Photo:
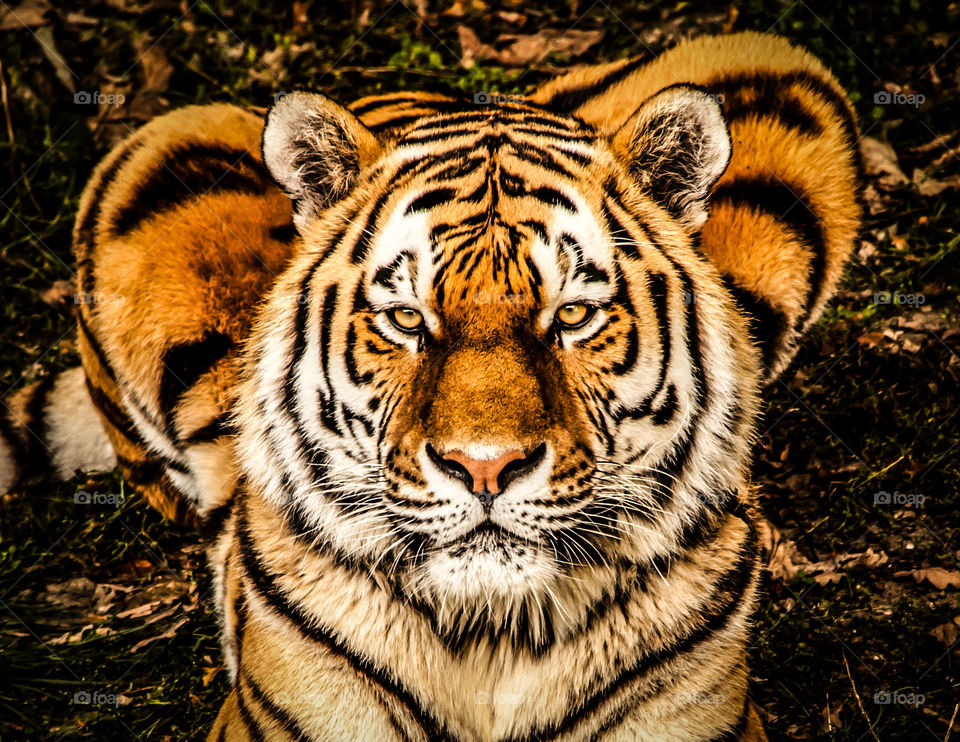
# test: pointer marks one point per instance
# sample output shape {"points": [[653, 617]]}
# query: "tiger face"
{"points": [[499, 369]]}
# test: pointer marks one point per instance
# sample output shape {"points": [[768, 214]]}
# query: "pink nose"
{"points": [[484, 472]]}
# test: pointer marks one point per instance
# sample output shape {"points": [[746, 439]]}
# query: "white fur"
{"points": [[75, 435]]}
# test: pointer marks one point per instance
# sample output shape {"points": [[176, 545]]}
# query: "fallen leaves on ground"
{"points": [[784, 559], [939, 577], [520, 50]]}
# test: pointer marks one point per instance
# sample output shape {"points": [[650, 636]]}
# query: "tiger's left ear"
{"points": [[315, 148], [677, 146]]}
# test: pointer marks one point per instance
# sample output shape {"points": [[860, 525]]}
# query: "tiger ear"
{"points": [[314, 148], [677, 145]]}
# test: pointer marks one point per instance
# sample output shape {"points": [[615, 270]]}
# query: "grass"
{"points": [[858, 412]]}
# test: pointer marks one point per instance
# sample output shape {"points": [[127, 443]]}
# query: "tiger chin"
{"points": [[467, 402]]}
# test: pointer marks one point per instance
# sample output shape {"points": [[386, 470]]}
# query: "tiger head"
{"points": [[499, 368]]}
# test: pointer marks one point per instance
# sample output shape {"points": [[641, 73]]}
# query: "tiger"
{"points": [[462, 397]]}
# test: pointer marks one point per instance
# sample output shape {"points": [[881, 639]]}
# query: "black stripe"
{"points": [[139, 473], [731, 586], [216, 428], [590, 272], [395, 99], [268, 589], [36, 455], [626, 363], [350, 359], [540, 158], [189, 171], [95, 346], [398, 122], [362, 245], [622, 238], [213, 522], [767, 325], [185, 363], [569, 100], [116, 416], [429, 200], [83, 243], [790, 207], [283, 232], [735, 733], [279, 715], [776, 83], [253, 726], [553, 197]]}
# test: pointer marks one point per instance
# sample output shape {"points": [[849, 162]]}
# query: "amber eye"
{"points": [[406, 319], [570, 316]]}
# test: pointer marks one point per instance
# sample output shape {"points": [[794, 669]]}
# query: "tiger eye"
{"points": [[573, 315], [408, 320]]}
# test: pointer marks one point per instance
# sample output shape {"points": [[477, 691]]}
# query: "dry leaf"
{"points": [[168, 634], [784, 560], [141, 610], [28, 14], [513, 50], [70, 637], [209, 673], [947, 633], [781, 551], [880, 160], [870, 339], [61, 292], [927, 186], [75, 593], [937, 576], [154, 76]]}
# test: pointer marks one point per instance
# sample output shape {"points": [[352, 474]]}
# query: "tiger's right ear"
{"points": [[315, 148]]}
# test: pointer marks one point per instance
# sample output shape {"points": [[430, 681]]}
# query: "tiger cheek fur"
{"points": [[470, 426]]}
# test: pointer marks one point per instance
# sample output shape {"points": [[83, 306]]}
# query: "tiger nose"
{"points": [[486, 476]]}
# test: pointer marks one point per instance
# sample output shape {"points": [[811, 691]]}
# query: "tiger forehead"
{"points": [[527, 119]]}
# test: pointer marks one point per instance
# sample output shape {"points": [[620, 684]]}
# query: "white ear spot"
{"points": [[315, 148], [678, 145]]}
